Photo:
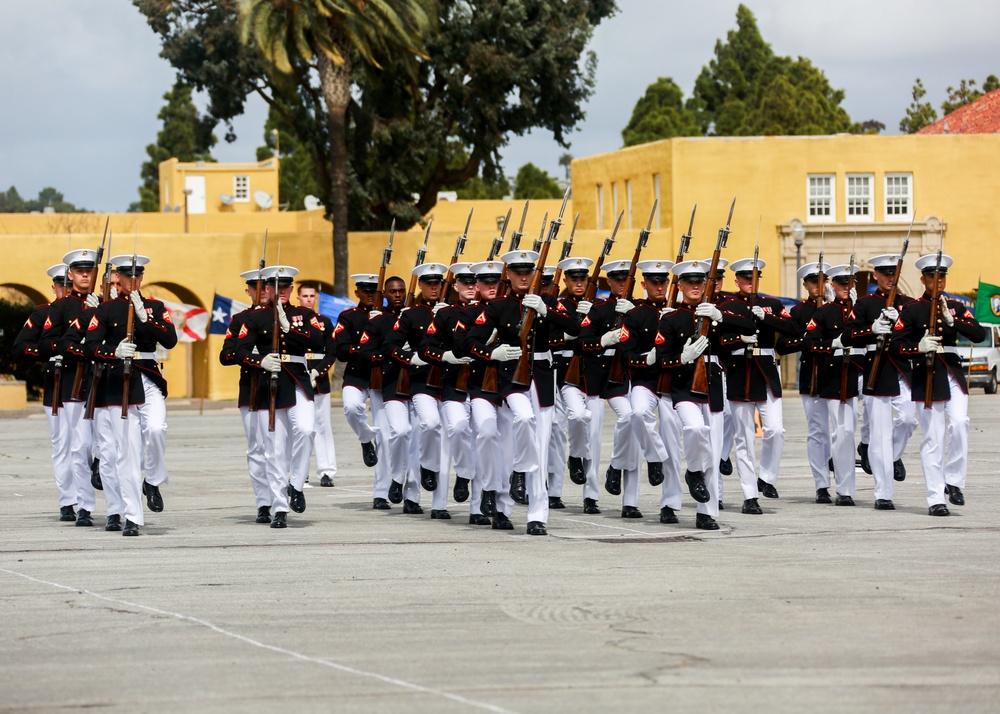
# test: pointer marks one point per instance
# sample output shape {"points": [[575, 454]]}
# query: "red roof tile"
{"points": [[979, 117]]}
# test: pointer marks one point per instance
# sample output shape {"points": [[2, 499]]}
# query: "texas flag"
{"points": [[223, 309], [190, 321]]}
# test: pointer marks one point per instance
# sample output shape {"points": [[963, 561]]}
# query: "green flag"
{"points": [[988, 303]]}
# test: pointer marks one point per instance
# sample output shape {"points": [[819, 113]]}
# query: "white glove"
{"points": [[140, 308], [113, 293], [92, 301], [946, 315], [929, 343], [651, 357], [584, 307], [536, 303], [493, 336], [837, 343], [416, 361], [748, 339], [622, 306], [828, 294], [372, 314], [611, 338], [758, 312], [506, 353], [271, 363], [313, 377], [853, 294], [282, 318], [891, 314], [693, 350], [881, 326], [707, 309], [125, 350], [450, 358], [664, 311], [437, 307]]}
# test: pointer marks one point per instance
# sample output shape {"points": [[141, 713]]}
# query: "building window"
{"points": [[628, 201], [656, 197], [600, 207], [614, 200], [898, 197], [241, 188], [822, 198], [860, 192]]}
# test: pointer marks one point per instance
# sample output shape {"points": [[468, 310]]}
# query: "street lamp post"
{"points": [[187, 192], [798, 233]]}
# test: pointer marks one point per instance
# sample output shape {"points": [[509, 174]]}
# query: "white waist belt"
{"points": [[315, 355], [763, 352], [543, 356], [53, 359], [566, 353], [298, 359], [610, 352], [950, 350], [854, 351], [144, 355], [713, 359]]}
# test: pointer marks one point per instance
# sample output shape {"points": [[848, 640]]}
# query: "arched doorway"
{"points": [[186, 368], [18, 293]]}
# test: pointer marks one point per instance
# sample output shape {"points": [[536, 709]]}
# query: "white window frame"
{"points": [[628, 201], [237, 198], [614, 200], [600, 207], [656, 197], [810, 197], [870, 198], [887, 198]]}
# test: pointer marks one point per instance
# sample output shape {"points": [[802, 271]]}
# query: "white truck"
{"points": [[981, 361]]}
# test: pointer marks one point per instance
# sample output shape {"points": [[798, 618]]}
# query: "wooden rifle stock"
{"points": [[890, 301], [127, 368], [814, 377], [846, 367], [272, 401], [522, 373], [663, 382], [77, 391], [95, 378], [490, 379], [375, 378], [616, 374], [749, 349], [932, 323], [573, 369], [699, 383], [403, 380]]}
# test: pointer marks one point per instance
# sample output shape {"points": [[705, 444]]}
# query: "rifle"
{"points": [[616, 375], [748, 352], [699, 383], [932, 323], [814, 378], [272, 399], [847, 349], [403, 381], [573, 369], [255, 374], [129, 329], [515, 242], [889, 302], [95, 378], [663, 382], [77, 391], [522, 372], [449, 279], [375, 380], [567, 247]]}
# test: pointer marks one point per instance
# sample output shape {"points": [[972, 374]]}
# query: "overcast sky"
{"points": [[83, 81]]}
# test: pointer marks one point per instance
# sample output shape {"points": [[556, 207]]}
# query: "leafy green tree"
{"points": [[185, 135], [967, 93], [919, 114], [533, 182], [660, 114], [48, 198], [566, 161], [297, 167]]}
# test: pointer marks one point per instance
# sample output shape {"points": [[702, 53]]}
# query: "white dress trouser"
{"points": [[456, 447], [817, 439], [891, 423], [79, 432], [256, 464], [354, 411], [383, 468], [745, 429], [595, 433], [106, 447], [326, 452], [150, 419], [945, 465], [288, 448], [864, 419], [578, 415], [62, 464], [557, 446], [671, 491], [701, 431], [529, 432], [427, 410], [843, 420], [397, 440]]}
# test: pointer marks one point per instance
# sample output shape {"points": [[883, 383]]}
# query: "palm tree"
{"points": [[328, 32]]}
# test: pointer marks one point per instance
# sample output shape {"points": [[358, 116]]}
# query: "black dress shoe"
{"points": [[130, 529], [556, 503], [590, 506], [536, 528], [955, 495], [114, 523], [296, 499], [696, 485], [478, 519], [488, 503], [66, 513], [380, 504], [440, 514], [706, 522], [631, 512], [884, 504], [667, 515], [325, 481], [654, 472], [83, 518], [501, 522], [95, 474], [395, 492], [428, 479], [613, 481], [726, 467], [751, 507], [866, 465], [461, 489], [153, 498], [829, 465], [263, 514], [844, 500], [823, 495], [722, 506], [898, 470], [767, 490], [518, 487], [938, 509], [369, 453], [279, 520], [412, 507], [577, 474]]}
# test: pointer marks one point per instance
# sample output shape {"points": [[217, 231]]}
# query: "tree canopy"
{"points": [[533, 182], [11, 202], [920, 113]]}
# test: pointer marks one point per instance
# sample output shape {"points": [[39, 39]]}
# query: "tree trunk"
{"points": [[335, 84]]}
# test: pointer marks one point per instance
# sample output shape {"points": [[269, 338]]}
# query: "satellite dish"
{"points": [[167, 209], [312, 203], [262, 199], [226, 199]]}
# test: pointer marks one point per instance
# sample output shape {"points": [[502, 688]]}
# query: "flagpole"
{"points": [[972, 345]]}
